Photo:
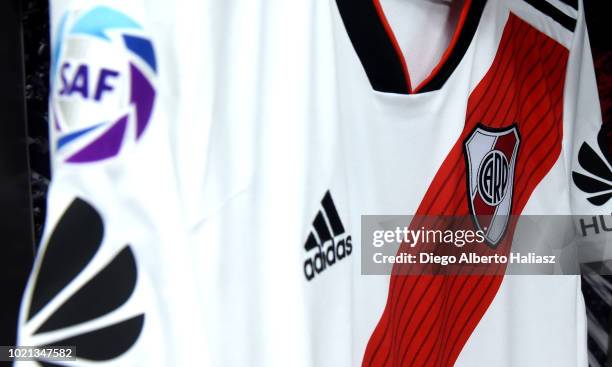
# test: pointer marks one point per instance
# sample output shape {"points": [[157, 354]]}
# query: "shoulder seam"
{"points": [[572, 3], [554, 13]]}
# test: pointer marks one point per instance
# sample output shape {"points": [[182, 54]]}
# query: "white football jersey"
{"points": [[212, 162]]}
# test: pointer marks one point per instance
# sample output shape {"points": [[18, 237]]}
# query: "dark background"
{"points": [[597, 289], [16, 262], [15, 199]]}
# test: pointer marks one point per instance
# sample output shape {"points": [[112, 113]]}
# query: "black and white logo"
{"points": [[493, 177], [597, 180], [328, 243], [490, 159], [56, 316]]}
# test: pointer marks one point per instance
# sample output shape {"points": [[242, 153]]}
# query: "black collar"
{"points": [[381, 56]]}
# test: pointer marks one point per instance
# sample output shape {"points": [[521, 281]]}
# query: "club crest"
{"points": [[490, 156]]}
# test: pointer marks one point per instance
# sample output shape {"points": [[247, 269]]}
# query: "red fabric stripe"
{"points": [[528, 117], [428, 319]]}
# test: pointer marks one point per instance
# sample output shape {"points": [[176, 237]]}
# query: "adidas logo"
{"points": [[599, 183], [328, 243], [53, 317]]}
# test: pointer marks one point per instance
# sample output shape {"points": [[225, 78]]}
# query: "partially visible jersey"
{"points": [[226, 195]]}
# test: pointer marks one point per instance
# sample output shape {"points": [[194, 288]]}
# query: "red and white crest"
{"points": [[490, 156]]}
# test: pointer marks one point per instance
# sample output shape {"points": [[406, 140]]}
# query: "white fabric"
{"points": [[263, 106]]}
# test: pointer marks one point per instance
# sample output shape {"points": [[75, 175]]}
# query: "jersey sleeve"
{"points": [[589, 157], [113, 274]]}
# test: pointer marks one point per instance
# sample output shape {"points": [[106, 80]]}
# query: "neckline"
{"points": [[380, 54]]}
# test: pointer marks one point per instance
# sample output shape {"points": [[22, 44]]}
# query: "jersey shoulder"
{"points": [[557, 19]]}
